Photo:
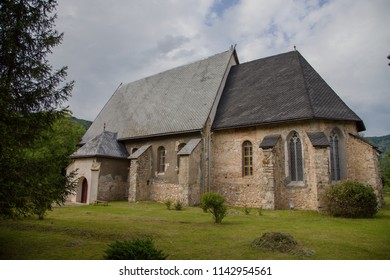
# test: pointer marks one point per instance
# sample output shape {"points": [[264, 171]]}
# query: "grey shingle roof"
{"points": [[189, 147], [177, 100], [318, 139], [269, 141], [139, 152], [104, 145], [278, 89]]}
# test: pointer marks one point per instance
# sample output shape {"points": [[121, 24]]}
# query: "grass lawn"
{"points": [[83, 232]]}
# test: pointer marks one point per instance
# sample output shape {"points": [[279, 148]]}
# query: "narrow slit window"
{"points": [[334, 157]]}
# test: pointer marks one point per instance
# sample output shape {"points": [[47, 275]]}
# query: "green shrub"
{"points": [[178, 206], [247, 210], [351, 200], [215, 204], [168, 204], [135, 249]]}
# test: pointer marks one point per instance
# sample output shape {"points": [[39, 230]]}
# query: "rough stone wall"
{"points": [[140, 172], [322, 174], [179, 182], [113, 183], [281, 201], [368, 169], [256, 190], [187, 190], [227, 168]]}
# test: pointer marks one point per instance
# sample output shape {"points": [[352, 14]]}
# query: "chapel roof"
{"points": [[103, 145], [278, 89], [175, 101]]}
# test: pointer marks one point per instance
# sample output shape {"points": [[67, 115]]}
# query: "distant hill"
{"points": [[381, 142], [86, 124]]}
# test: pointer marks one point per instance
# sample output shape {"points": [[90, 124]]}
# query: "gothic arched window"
{"points": [[334, 157], [296, 159]]}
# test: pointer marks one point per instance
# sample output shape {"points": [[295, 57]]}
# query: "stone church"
{"points": [[268, 133]]}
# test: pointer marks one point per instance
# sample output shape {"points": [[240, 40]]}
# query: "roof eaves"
{"points": [[260, 124], [96, 155], [159, 135]]}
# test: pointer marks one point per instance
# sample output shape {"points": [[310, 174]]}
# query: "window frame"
{"points": [[295, 158], [161, 156], [247, 158], [334, 158]]}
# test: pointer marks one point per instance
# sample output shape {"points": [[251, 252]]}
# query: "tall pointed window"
{"points": [[296, 161], [247, 159], [334, 157], [161, 159]]}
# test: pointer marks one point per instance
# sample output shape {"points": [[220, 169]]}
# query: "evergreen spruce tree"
{"points": [[31, 96]]}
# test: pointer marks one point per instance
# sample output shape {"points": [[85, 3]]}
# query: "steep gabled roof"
{"points": [[103, 145], [278, 89], [175, 101]]}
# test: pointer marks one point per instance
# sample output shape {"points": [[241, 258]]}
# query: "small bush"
{"points": [[215, 204], [135, 249], [351, 200], [178, 206], [247, 210], [168, 204]]}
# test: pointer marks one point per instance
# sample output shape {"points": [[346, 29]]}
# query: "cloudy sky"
{"points": [[110, 42]]}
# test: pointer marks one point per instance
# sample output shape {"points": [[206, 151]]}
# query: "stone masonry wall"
{"points": [[368, 169], [180, 182], [113, 183], [255, 190], [140, 172], [187, 190]]}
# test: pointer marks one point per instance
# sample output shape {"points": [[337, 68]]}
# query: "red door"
{"points": [[84, 191]]}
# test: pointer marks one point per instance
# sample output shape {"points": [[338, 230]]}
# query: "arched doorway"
{"points": [[84, 191]]}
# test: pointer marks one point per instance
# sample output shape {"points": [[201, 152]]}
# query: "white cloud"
{"points": [[108, 42]]}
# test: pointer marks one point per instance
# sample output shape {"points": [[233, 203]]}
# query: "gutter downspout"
{"points": [[202, 169]]}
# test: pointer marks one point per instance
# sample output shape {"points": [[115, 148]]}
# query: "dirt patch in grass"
{"points": [[281, 242]]}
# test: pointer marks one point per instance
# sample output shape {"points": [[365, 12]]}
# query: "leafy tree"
{"points": [[215, 204], [46, 161], [31, 94], [385, 169]]}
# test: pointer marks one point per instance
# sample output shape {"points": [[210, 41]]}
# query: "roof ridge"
{"points": [[298, 55]]}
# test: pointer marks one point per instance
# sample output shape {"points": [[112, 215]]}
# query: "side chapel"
{"points": [[267, 133]]}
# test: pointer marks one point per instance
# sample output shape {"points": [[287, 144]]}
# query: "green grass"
{"points": [[83, 232]]}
